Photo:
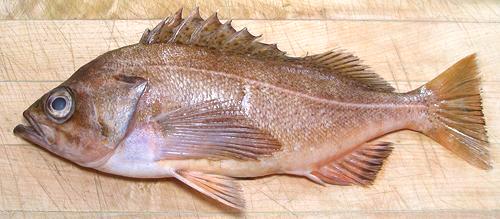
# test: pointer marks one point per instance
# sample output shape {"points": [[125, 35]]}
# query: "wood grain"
{"points": [[421, 178], [53, 50], [423, 10]]}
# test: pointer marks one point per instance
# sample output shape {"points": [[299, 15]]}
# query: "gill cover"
{"points": [[104, 107], [116, 106]]}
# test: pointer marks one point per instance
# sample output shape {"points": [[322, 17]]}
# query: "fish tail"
{"points": [[455, 118]]}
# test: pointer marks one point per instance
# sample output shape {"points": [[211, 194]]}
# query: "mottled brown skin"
{"points": [[99, 122], [201, 102], [314, 114], [317, 116]]}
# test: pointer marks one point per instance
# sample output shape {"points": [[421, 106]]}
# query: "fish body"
{"points": [[310, 112], [200, 102]]}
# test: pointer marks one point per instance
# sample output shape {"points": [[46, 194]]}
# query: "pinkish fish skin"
{"points": [[200, 102]]}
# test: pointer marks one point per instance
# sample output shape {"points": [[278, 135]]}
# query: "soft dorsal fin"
{"points": [[194, 30], [348, 65], [359, 167]]}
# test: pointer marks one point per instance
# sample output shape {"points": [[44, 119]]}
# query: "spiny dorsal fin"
{"points": [[182, 33], [163, 30], [193, 30], [360, 167], [201, 36]]}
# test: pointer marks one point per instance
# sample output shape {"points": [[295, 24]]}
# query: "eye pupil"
{"points": [[59, 103]]}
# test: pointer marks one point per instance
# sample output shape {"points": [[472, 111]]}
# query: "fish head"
{"points": [[85, 118]]}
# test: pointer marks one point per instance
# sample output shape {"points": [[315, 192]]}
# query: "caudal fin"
{"points": [[455, 114]]}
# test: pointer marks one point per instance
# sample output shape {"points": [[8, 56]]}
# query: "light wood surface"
{"points": [[407, 48], [422, 10]]}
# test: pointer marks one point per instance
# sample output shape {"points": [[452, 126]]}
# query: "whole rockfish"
{"points": [[201, 102]]}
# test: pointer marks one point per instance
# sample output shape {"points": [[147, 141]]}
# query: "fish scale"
{"points": [[201, 102]]}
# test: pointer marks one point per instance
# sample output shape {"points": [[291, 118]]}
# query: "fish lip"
{"points": [[32, 132]]}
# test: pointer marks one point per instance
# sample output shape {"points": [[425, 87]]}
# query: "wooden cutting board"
{"points": [[407, 43]]}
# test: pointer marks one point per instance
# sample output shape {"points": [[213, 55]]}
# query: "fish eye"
{"points": [[60, 105]]}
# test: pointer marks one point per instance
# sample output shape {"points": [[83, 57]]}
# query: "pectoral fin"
{"points": [[221, 188], [359, 167], [212, 130]]}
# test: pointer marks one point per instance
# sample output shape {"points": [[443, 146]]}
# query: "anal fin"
{"points": [[359, 167], [221, 188]]}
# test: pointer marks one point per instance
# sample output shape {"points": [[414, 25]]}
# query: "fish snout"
{"points": [[33, 131]]}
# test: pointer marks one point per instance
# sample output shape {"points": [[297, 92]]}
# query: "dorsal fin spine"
{"points": [[198, 31], [179, 31], [233, 43], [224, 38], [167, 26], [156, 31], [144, 37], [206, 29]]}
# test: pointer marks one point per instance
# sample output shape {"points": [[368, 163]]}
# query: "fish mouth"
{"points": [[31, 132]]}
